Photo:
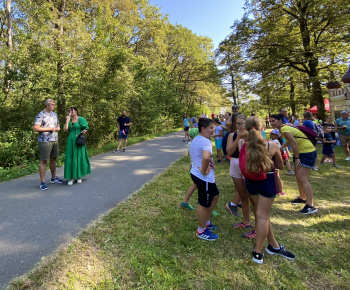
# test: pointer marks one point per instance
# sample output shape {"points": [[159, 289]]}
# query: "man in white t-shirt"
{"points": [[202, 174]]}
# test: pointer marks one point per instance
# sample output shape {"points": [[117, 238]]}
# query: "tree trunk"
{"points": [[233, 89], [60, 67], [312, 59], [9, 45], [292, 96]]}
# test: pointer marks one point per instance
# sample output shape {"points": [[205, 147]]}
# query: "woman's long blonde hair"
{"points": [[258, 157]]}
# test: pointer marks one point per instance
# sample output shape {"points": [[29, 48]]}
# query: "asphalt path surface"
{"points": [[35, 223]]}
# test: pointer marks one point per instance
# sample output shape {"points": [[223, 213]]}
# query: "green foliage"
{"points": [[290, 48], [101, 57]]}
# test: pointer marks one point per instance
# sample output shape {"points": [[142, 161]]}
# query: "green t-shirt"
{"points": [[304, 144], [343, 122]]}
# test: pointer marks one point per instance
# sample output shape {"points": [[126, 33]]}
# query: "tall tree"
{"points": [[300, 34]]}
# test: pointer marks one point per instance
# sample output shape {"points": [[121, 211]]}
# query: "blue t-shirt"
{"points": [[186, 122], [285, 121], [309, 124]]}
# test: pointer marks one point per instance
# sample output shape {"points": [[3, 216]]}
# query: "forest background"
{"points": [[107, 56]]}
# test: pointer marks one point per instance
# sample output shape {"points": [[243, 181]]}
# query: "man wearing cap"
{"points": [[342, 125]]}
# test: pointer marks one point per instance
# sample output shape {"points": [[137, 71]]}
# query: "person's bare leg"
{"points": [[125, 142], [119, 142], [53, 167], [262, 223], [346, 150], [236, 199], [305, 188], [279, 181], [42, 169], [202, 215], [220, 155], [333, 158], [244, 196], [189, 192]]}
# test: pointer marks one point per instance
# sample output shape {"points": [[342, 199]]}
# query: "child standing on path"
{"points": [[202, 174], [328, 145], [186, 124]]}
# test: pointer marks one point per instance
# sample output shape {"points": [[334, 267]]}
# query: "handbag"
{"points": [[81, 139]]}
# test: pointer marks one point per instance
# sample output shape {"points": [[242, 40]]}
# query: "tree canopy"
{"points": [[101, 57]]}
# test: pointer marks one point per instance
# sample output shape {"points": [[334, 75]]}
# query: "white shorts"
{"points": [[234, 168]]}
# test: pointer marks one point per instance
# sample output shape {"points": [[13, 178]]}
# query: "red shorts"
{"points": [[284, 155]]}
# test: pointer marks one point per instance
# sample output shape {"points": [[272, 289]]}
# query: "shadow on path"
{"points": [[34, 223]]}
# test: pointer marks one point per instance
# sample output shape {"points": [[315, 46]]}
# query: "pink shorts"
{"points": [[234, 168]]}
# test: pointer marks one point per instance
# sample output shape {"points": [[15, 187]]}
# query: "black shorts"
{"points": [[187, 128], [266, 188], [206, 191]]}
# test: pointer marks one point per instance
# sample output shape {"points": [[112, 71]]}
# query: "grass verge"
{"points": [[31, 166], [148, 241]]}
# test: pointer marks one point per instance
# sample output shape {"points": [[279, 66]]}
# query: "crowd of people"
{"points": [[254, 167]]}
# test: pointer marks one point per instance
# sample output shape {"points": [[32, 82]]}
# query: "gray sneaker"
{"points": [[233, 209], [336, 166], [315, 168]]}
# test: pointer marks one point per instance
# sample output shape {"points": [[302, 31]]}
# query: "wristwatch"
{"points": [[296, 157]]}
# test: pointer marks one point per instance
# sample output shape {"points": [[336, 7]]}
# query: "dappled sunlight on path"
{"points": [[34, 223]]}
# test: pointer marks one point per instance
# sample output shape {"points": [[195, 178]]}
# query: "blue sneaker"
{"points": [[43, 186], [211, 227], [56, 180], [207, 235]]}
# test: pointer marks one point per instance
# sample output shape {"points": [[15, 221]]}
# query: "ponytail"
{"points": [[258, 157]]}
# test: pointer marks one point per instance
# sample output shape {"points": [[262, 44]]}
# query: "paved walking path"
{"points": [[34, 223]]}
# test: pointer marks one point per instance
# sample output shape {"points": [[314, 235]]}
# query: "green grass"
{"points": [[149, 242], [31, 166]]}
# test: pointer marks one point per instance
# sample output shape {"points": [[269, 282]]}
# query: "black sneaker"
{"points": [[239, 205], [258, 257], [233, 209], [308, 209], [281, 252], [298, 201]]}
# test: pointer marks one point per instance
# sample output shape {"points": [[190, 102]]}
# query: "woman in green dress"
{"points": [[76, 163]]}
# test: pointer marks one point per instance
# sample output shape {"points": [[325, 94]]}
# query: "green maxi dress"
{"points": [[76, 163]]}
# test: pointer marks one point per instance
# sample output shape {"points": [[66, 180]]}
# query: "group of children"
{"points": [[245, 136]]}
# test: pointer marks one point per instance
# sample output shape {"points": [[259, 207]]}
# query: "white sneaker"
{"points": [[79, 180], [70, 182], [315, 168], [347, 158]]}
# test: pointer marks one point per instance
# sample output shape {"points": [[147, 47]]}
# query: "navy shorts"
{"points": [[327, 150], [122, 136], [307, 159], [206, 191], [266, 188]]}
